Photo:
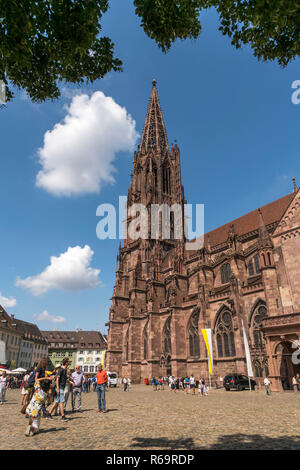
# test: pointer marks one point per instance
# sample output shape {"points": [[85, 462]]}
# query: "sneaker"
{"points": [[104, 411], [63, 418], [49, 417]]}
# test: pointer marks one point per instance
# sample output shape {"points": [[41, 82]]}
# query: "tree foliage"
{"points": [[168, 20], [45, 42], [270, 27]]}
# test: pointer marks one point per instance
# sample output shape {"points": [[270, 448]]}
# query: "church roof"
{"points": [[250, 222], [154, 134]]}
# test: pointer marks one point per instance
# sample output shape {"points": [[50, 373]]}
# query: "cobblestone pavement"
{"points": [[147, 419]]}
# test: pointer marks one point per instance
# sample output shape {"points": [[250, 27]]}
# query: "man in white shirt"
{"points": [[193, 384], [125, 384], [172, 384], [267, 385]]}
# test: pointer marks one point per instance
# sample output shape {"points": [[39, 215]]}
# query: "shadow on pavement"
{"points": [[164, 442], [43, 431], [255, 441], [228, 442]]}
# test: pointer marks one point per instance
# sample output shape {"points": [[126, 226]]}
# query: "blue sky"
{"points": [[234, 122]]}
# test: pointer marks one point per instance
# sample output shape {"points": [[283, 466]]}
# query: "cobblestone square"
{"points": [[147, 419]]}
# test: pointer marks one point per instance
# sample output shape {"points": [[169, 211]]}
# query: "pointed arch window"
{"points": [[194, 344], [127, 346], [154, 171], [225, 273], [166, 179], [259, 314], [225, 335], [167, 337], [253, 266], [145, 342], [256, 264]]}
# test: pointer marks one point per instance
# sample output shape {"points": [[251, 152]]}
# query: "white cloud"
{"points": [[7, 302], [45, 316], [70, 271], [78, 153]]}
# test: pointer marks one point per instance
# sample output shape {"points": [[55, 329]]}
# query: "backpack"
{"points": [[31, 379]]}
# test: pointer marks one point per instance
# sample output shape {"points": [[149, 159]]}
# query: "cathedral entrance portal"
{"points": [[286, 366]]}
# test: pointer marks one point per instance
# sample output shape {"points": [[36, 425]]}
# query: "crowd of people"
{"points": [[187, 384], [46, 394]]}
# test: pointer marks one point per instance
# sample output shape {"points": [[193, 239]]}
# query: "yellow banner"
{"points": [[207, 339], [103, 358]]}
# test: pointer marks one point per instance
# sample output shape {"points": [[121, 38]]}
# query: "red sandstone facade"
{"points": [[247, 270]]}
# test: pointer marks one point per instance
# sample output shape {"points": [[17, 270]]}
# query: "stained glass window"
{"points": [[225, 335]]}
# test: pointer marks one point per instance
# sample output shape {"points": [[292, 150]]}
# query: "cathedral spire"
{"points": [[154, 134], [264, 239]]}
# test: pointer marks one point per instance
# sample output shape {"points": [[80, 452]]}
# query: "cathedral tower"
{"points": [[156, 195]]}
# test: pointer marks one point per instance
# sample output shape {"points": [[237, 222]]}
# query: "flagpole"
{"points": [[248, 356], [206, 332]]}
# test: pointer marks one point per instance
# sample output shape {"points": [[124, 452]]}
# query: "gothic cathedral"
{"points": [[164, 295]]}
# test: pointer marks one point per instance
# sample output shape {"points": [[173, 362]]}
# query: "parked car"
{"points": [[238, 382], [113, 376]]}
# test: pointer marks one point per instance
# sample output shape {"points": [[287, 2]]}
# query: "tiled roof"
{"points": [[5, 319], [90, 339], [57, 336], [250, 222], [30, 330]]}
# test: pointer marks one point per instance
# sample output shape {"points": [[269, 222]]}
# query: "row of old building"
{"points": [[25, 344]]}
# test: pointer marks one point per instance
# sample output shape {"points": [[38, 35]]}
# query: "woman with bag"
{"points": [[25, 388], [3, 387]]}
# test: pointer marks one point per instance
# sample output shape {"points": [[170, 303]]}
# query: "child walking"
{"points": [[33, 410]]}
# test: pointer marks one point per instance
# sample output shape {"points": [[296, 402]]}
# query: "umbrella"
{"points": [[20, 370]]}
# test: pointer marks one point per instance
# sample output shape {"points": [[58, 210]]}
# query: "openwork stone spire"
{"points": [[154, 134]]}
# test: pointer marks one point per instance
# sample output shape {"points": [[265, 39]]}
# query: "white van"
{"points": [[113, 378]]}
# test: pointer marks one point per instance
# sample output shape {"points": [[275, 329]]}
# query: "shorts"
{"points": [[172, 386], [61, 397], [193, 385]]}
